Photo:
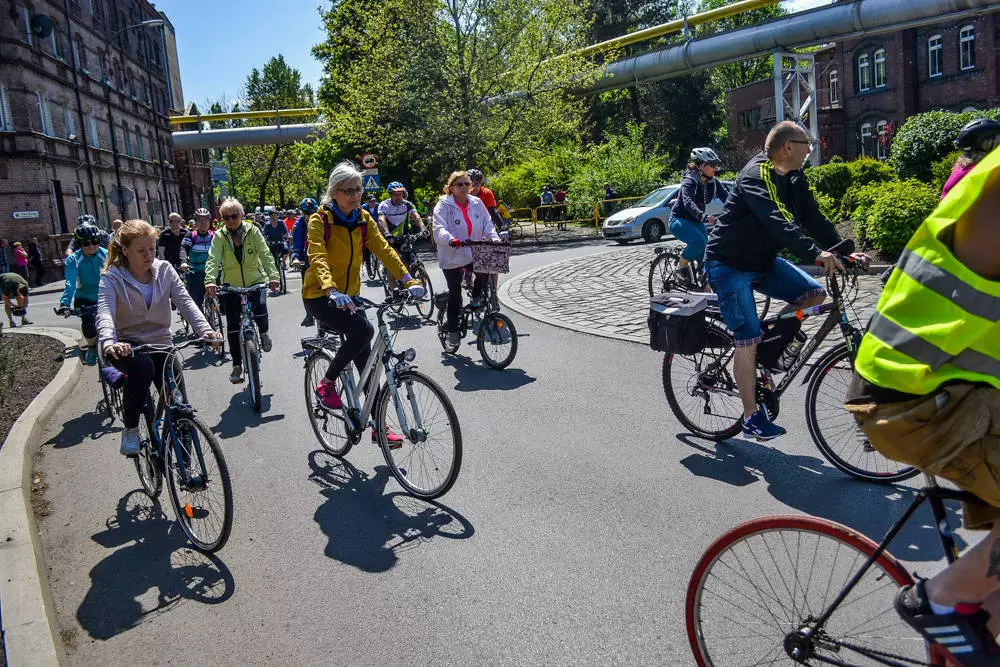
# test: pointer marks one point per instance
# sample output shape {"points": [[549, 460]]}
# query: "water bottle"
{"points": [[792, 351]]}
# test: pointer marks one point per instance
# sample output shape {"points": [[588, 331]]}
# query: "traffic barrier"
{"points": [[568, 212]]}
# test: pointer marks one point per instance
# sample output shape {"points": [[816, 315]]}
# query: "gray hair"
{"points": [[342, 173]]}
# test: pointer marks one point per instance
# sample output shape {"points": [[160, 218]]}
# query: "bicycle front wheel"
{"points": [[770, 578], [282, 280], [200, 489], [147, 464], [497, 340], [253, 373], [662, 273], [834, 430], [427, 462], [214, 317], [329, 426], [425, 308]]}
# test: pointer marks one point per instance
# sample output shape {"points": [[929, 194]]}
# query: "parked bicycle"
{"points": [[112, 395], [408, 253], [809, 590], [702, 391], [663, 277], [174, 444], [496, 335], [250, 351], [409, 403]]}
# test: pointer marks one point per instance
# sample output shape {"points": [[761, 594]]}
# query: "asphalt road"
{"points": [[568, 538]]}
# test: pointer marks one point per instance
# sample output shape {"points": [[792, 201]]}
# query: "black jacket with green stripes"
{"points": [[765, 213]]}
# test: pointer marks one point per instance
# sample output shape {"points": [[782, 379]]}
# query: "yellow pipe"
{"points": [[671, 26], [243, 115]]}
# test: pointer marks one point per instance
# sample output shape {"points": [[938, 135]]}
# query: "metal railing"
{"points": [[568, 212]]}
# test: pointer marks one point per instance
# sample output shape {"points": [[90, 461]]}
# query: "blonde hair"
{"points": [[451, 179], [230, 204], [124, 238], [781, 134], [342, 173]]}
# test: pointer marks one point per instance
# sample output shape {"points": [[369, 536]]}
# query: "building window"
{"points": [[6, 120], [881, 140], [967, 47], [864, 73], [28, 35], [880, 68], [80, 205], [934, 56], [139, 149], [866, 140], [128, 139], [68, 124], [54, 43], [834, 87], [750, 120], [44, 114], [95, 139]]}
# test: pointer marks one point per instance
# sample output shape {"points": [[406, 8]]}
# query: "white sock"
{"points": [[940, 609]]}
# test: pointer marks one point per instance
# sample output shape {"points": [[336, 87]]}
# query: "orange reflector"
{"points": [[800, 315], [189, 511], [499, 324]]}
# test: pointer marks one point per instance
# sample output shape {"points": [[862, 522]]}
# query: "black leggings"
{"points": [[140, 371], [230, 304], [454, 279], [88, 319], [357, 330]]}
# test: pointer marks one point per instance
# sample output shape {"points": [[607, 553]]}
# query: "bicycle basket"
{"points": [[491, 258], [677, 322]]}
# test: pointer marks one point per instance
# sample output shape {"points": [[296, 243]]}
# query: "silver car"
{"points": [[647, 218]]}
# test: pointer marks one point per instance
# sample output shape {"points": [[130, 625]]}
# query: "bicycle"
{"points": [[496, 335], [408, 254], [112, 395], [172, 445], [773, 580], [663, 277], [704, 382], [278, 252], [423, 465], [250, 351]]}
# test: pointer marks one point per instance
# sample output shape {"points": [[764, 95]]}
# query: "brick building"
{"points": [[194, 173], [83, 110], [868, 86]]}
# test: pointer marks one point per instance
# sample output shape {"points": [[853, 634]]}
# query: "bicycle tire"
{"points": [[147, 465], [253, 373], [701, 378], [208, 534], [214, 317], [414, 458], [337, 442], [106, 391], [661, 271], [834, 430], [425, 308], [497, 328], [443, 335], [282, 280], [752, 552]]}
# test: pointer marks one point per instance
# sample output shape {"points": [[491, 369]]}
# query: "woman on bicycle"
{"points": [[83, 277], [459, 216], [133, 308], [336, 236], [240, 253], [688, 217]]}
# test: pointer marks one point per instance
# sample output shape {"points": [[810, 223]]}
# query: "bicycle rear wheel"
{"points": [[701, 389], [147, 463], [771, 577], [428, 461], [214, 317], [330, 426], [253, 373], [497, 340], [443, 335], [834, 430], [282, 280], [425, 308], [203, 505]]}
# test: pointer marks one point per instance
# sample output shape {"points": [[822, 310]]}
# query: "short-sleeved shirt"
{"points": [[546, 197], [487, 196], [11, 283], [395, 215]]}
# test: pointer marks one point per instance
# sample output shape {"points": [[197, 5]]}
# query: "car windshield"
{"points": [[654, 198]]}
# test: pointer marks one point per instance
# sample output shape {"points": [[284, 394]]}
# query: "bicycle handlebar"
{"points": [[150, 347], [229, 289], [75, 312]]}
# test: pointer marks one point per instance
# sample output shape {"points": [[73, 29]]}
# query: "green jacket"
{"points": [[257, 265]]}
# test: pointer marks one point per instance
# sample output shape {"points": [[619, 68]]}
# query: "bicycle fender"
{"points": [[836, 349]]}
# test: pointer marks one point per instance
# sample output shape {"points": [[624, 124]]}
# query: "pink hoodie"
{"points": [[957, 174]]}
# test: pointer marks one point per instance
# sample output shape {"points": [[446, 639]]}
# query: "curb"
{"points": [[26, 606]]}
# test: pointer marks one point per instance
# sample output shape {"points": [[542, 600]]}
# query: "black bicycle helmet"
{"points": [[87, 232], [979, 135], [475, 175], [308, 206]]}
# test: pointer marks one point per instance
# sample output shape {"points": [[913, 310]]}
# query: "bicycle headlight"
{"points": [[409, 355]]}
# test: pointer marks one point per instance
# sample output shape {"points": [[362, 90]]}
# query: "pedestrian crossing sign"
{"points": [[372, 183]]}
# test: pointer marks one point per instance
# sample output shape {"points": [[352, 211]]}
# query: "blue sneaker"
{"points": [[90, 356], [758, 426]]}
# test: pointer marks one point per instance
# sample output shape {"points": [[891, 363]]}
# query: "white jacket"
{"points": [[449, 223]]}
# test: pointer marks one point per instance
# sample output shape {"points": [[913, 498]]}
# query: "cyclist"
{"points": [[337, 233], [975, 140], [759, 219], [239, 256], [133, 308], [546, 198], [276, 235], [196, 246], [927, 392], [14, 290], [87, 219], [688, 218], [171, 239], [459, 216], [484, 193], [300, 233], [396, 213], [83, 277]]}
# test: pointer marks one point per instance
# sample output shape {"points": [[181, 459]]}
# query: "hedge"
{"points": [[927, 138], [887, 214], [832, 179]]}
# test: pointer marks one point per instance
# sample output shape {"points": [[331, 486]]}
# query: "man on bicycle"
{"points": [[300, 241], [927, 393], [276, 235], [170, 240], [396, 217], [761, 216]]}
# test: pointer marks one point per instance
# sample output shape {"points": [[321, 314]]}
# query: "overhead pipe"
{"points": [[839, 21], [244, 115], [244, 136]]}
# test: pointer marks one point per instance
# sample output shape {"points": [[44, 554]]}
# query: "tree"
{"points": [[742, 72]]}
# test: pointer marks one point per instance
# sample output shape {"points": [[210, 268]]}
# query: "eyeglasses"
{"points": [[810, 142], [462, 184], [87, 244], [235, 216], [352, 192]]}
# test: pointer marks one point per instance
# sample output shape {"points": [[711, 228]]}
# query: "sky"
{"points": [[220, 41]]}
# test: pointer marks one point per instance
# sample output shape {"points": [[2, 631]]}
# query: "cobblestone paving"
{"points": [[606, 294]]}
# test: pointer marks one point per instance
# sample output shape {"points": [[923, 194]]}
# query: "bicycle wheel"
{"points": [[497, 340], [701, 389], [834, 430], [329, 426], [425, 308], [443, 335], [109, 409], [282, 280], [661, 273], [253, 373], [204, 505], [769, 578], [427, 462], [214, 317], [147, 464]]}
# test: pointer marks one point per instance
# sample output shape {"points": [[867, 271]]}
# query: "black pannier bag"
{"points": [[775, 338], [677, 322]]}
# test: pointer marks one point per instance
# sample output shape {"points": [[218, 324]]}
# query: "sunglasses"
{"points": [[810, 142], [231, 217], [463, 184], [87, 244], [352, 192]]}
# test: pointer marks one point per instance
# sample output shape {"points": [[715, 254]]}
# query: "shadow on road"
{"points": [[477, 376], [150, 554], [91, 425], [369, 529], [810, 484], [240, 415]]}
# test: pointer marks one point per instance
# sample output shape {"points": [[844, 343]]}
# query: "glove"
{"points": [[339, 300], [455, 243], [63, 310], [416, 291], [863, 260], [296, 264]]}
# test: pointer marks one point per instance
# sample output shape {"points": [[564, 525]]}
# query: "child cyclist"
{"points": [[83, 277], [688, 218]]}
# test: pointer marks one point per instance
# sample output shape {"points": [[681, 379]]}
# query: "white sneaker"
{"points": [[130, 442]]}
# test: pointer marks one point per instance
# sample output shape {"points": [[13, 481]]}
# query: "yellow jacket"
{"points": [[335, 256]]}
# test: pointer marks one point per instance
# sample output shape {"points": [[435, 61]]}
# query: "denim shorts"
{"points": [[735, 288]]}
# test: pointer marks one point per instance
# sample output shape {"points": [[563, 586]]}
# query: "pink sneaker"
{"points": [[327, 392], [394, 439]]}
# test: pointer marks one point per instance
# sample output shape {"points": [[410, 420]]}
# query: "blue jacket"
{"points": [[300, 231], [85, 272], [694, 196]]}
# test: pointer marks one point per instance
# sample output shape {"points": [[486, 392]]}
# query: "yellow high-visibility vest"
{"points": [[937, 321]]}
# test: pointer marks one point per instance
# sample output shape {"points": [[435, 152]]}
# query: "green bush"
{"points": [[897, 209], [832, 179], [828, 206], [941, 169], [867, 170], [854, 206], [927, 138]]}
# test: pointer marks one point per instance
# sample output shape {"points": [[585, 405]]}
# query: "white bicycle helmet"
{"points": [[705, 156]]}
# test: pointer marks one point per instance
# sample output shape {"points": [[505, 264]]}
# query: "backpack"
{"points": [[326, 230]]}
